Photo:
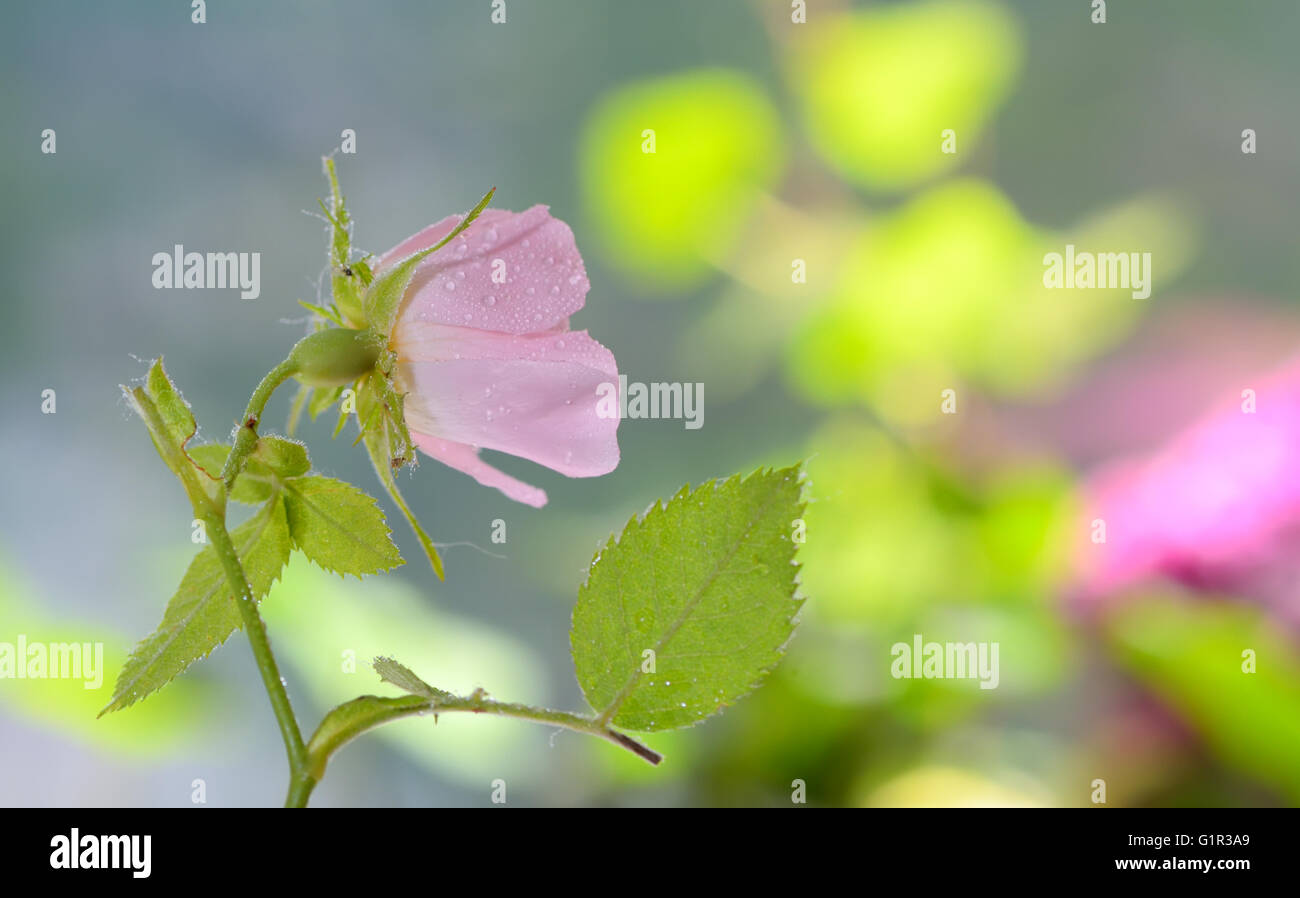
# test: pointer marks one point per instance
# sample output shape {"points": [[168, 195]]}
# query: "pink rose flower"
{"points": [[1216, 510], [486, 358]]}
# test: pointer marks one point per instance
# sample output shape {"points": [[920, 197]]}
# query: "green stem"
{"points": [[480, 704], [260, 642], [350, 720], [246, 437], [300, 786]]}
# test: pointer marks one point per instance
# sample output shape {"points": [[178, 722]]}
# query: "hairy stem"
{"points": [[245, 441], [246, 437], [295, 748], [353, 718]]}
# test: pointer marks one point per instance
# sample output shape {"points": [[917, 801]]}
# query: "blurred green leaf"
{"points": [[881, 85], [1191, 654], [705, 585], [202, 613], [338, 526], [716, 146], [68, 704], [948, 293]]}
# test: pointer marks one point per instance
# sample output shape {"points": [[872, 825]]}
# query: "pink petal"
{"points": [[465, 459], [1218, 508], [533, 396], [545, 280]]}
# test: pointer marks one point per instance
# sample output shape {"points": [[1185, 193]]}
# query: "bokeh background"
{"points": [[776, 142]]}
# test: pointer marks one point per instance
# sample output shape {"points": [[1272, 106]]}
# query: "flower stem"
{"points": [[258, 640], [295, 748], [246, 437], [351, 719]]}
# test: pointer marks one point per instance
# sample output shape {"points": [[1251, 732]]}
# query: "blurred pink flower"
{"points": [[485, 355], [1217, 510]]}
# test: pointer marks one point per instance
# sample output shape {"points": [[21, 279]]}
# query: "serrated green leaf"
{"points": [[692, 605], [254, 484], [1192, 654], [338, 526], [203, 613], [283, 458], [401, 676], [384, 296]]}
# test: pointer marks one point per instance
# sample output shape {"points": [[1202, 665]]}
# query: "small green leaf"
{"points": [[404, 678], [171, 425], [203, 613], [283, 458], [254, 484], [363, 271], [692, 605], [384, 297], [339, 527]]}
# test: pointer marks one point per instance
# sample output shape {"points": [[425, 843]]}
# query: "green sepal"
{"points": [[321, 399], [383, 298], [346, 287], [330, 314], [389, 445]]}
